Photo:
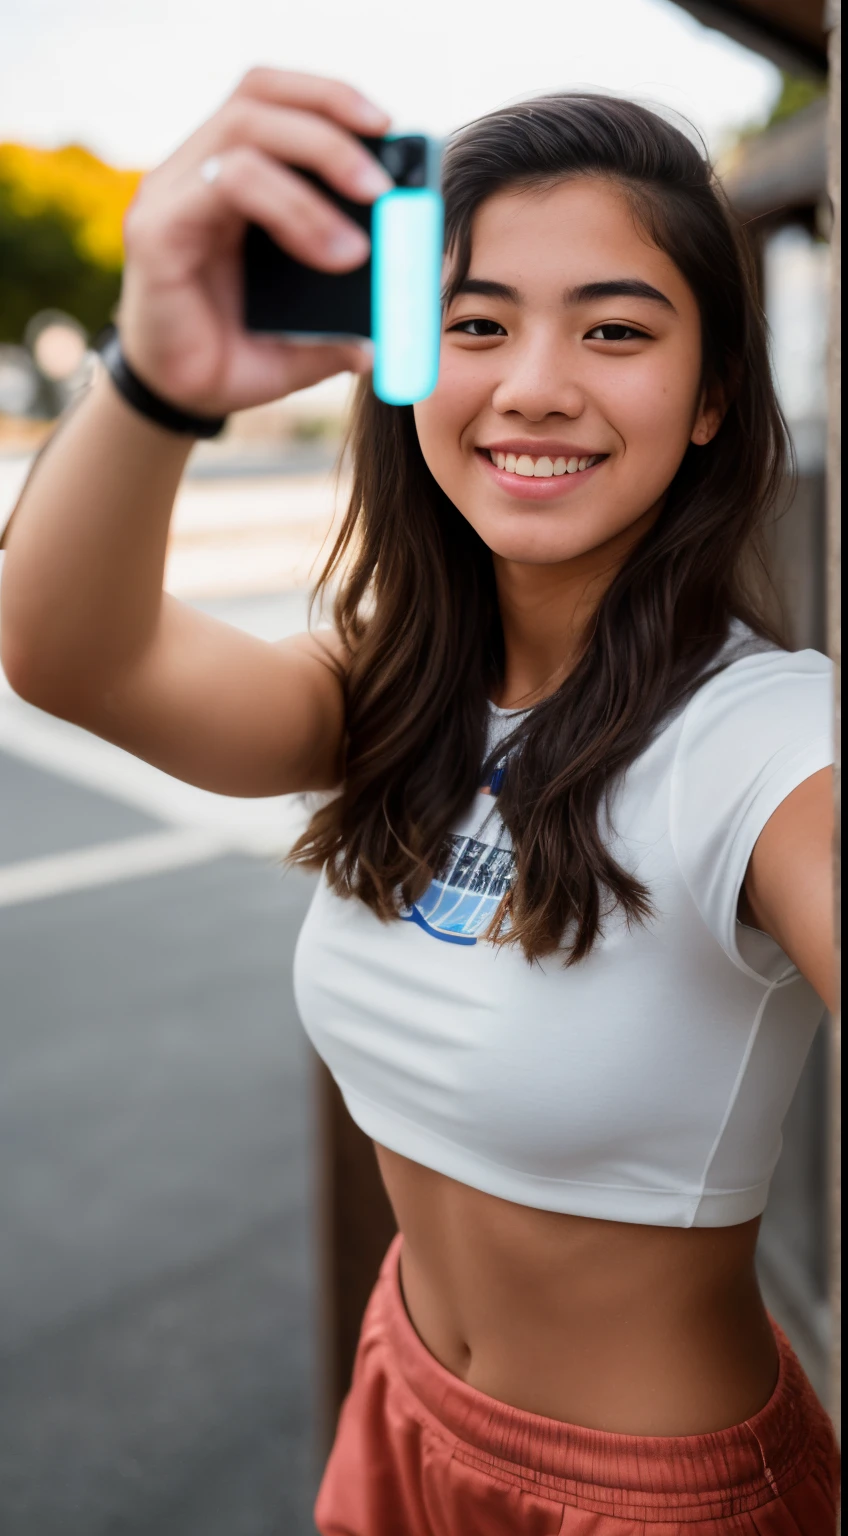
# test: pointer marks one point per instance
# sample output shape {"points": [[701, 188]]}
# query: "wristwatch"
{"points": [[142, 399]]}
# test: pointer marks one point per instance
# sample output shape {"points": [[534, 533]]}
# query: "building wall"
{"points": [[793, 1250]]}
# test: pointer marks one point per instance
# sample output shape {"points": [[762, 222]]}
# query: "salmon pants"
{"points": [[420, 1453]]}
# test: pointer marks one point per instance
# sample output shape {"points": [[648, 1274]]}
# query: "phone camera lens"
{"points": [[394, 159], [405, 160]]}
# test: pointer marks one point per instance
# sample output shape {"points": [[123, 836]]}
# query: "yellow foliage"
{"points": [[72, 181]]}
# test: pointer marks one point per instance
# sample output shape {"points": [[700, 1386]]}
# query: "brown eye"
{"points": [[482, 327], [616, 333]]}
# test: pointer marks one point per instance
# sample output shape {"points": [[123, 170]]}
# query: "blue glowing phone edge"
{"points": [[407, 239]]}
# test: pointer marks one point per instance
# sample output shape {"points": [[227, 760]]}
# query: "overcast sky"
{"points": [[130, 78]]}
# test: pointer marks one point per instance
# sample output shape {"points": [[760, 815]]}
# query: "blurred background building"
{"points": [[190, 1221], [778, 182]]}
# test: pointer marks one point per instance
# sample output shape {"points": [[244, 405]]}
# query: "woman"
{"points": [[574, 933]]}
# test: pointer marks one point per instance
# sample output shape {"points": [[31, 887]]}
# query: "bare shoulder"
{"points": [[324, 646], [225, 710]]}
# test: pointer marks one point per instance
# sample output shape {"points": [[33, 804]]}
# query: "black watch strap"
{"points": [[137, 394]]}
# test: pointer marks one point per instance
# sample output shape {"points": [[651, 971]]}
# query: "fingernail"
{"points": [[362, 360], [373, 115], [348, 245], [372, 181]]}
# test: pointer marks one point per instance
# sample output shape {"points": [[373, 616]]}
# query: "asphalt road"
{"points": [[157, 1333]]}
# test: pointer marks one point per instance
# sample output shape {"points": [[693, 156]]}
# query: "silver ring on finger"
{"points": [[211, 169]]}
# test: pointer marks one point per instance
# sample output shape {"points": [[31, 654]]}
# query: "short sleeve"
{"points": [[748, 738]]}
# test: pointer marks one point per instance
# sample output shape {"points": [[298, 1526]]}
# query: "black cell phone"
{"points": [[392, 299]]}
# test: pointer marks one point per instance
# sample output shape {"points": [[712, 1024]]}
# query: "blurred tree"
{"points": [[42, 269], [61, 213], [796, 92]]}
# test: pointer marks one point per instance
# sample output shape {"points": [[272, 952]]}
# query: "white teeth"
{"points": [[543, 468]]}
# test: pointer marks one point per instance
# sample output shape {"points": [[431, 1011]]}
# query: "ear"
{"points": [[711, 412]]}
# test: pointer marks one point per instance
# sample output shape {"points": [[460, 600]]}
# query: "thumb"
{"points": [[276, 368]]}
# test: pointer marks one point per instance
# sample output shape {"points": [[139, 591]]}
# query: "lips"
{"points": [[543, 466], [540, 479]]}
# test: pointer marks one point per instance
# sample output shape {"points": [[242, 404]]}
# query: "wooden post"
{"points": [[355, 1227], [834, 490]]}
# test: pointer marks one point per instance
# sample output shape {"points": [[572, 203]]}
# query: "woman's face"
{"points": [[569, 380]]}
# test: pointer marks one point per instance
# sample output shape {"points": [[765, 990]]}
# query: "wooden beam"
{"points": [[355, 1227], [789, 32], [834, 558]]}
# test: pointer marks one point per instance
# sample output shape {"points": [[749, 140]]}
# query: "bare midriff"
{"points": [[612, 1325]]}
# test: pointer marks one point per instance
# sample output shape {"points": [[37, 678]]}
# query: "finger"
{"points": [[276, 88], [316, 93], [310, 142], [267, 367], [174, 233], [291, 136]]}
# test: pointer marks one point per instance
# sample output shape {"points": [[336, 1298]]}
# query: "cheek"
{"points": [[653, 410], [442, 419]]}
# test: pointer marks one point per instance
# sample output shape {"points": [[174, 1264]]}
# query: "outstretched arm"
{"points": [[788, 890], [87, 631]]}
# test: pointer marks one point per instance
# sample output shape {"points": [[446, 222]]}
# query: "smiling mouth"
{"points": [[543, 468]]}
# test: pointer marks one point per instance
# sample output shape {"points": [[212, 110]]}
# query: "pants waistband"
{"points": [[722, 1473]]}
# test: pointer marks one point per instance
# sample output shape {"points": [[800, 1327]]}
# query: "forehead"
{"points": [[561, 236]]}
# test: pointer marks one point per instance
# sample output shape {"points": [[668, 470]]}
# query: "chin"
{"points": [[516, 540], [519, 552]]}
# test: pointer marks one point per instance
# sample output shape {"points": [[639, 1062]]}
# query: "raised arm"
{"points": [[87, 632]]}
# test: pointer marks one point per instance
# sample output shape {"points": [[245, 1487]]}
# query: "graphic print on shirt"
{"points": [[459, 905]]}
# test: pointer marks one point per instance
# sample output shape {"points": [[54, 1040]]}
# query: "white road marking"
{"points": [[259, 827], [235, 536], [106, 863], [198, 823]]}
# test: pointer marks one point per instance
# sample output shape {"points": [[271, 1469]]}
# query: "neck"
{"points": [[546, 612]]}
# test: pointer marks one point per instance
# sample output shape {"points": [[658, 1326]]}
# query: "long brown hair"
{"points": [[417, 602]]}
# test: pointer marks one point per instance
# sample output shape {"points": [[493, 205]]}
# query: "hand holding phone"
{"points": [[392, 299], [182, 299]]}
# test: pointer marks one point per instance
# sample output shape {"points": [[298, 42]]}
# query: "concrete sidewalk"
{"points": [[240, 525]]}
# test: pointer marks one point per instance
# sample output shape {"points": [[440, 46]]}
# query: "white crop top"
{"points": [[647, 1083]]}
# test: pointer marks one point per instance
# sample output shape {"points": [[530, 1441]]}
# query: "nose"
{"points": [[539, 380]]}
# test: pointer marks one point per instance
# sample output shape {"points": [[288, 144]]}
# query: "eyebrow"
{"points": [[613, 288], [488, 290], [618, 288]]}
